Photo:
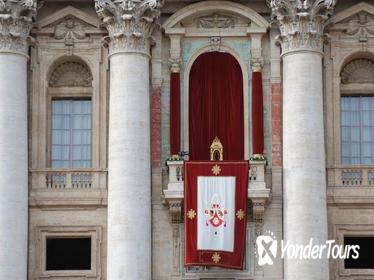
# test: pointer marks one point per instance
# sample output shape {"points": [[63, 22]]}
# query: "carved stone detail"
{"points": [[130, 23], [215, 21], [15, 24], [361, 26], [174, 65], [70, 29], [257, 63], [215, 43], [358, 71], [301, 23], [71, 73], [175, 208]]}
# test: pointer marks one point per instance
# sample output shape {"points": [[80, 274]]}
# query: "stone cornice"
{"points": [[130, 23], [15, 24], [301, 23]]}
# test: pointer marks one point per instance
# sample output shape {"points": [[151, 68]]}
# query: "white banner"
{"points": [[215, 213]]}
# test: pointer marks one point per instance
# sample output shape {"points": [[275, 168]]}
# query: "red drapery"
{"points": [[174, 113], [257, 114], [216, 106], [193, 256]]}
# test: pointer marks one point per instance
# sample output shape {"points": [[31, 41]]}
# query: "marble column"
{"points": [[15, 24], [130, 25], [304, 181]]}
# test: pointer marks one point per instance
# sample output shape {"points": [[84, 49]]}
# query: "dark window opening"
{"points": [[69, 253], [366, 253]]}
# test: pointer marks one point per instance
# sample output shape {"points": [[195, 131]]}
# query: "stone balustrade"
{"points": [[258, 193], [68, 179], [351, 176]]}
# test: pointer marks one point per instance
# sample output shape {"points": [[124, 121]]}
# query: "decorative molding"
{"points": [[358, 71], [130, 23], [70, 29], [301, 23], [15, 24], [71, 73], [174, 64], [361, 26], [215, 21], [215, 43], [257, 64]]}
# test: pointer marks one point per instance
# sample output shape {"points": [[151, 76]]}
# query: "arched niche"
{"points": [[214, 26], [244, 71], [70, 72]]}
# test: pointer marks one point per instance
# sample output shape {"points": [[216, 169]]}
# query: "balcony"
{"points": [[350, 184], [258, 193], [68, 186]]}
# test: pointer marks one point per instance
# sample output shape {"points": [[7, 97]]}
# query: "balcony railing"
{"points": [[351, 176], [68, 179], [257, 191]]}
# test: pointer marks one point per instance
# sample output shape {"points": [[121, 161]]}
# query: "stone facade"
{"points": [[120, 55]]}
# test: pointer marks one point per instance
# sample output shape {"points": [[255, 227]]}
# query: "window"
{"points": [[357, 129], [365, 260], [68, 253], [71, 133]]}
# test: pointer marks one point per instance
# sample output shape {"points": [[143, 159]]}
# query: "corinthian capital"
{"points": [[301, 23], [130, 23], [15, 24]]}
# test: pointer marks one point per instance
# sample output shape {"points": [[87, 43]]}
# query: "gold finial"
{"points": [[216, 150]]}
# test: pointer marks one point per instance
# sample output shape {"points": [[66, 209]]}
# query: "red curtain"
{"points": [[174, 113], [216, 106], [257, 114]]}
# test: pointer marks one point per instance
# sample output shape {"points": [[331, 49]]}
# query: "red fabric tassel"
{"points": [[174, 113], [257, 114]]}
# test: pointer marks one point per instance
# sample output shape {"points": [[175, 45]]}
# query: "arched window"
{"points": [[216, 106], [357, 112], [70, 90]]}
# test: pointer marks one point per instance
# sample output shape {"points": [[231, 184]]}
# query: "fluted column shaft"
{"points": [[304, 170], [130, 25], [14, 30]]}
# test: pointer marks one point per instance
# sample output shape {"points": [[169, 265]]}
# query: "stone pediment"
{"points": [[215, 16], [356, 22], [69, 21]]}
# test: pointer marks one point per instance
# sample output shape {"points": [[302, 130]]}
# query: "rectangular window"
{"points": [[71, 133], [365, 259], [357, 129], [68, 253]]}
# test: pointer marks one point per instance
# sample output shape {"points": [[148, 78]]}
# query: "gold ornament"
{"points": [[216, 257], [240, 214], [216, 169], [191, 214]]}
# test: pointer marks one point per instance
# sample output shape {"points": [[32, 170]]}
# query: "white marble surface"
{"points": [[13, 167], [304, 181], [129, 197]]}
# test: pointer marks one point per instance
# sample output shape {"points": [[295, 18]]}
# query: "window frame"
{"points": [[361, 125], [347, 90], [93, 232], [357, 230], [68, 93]]}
